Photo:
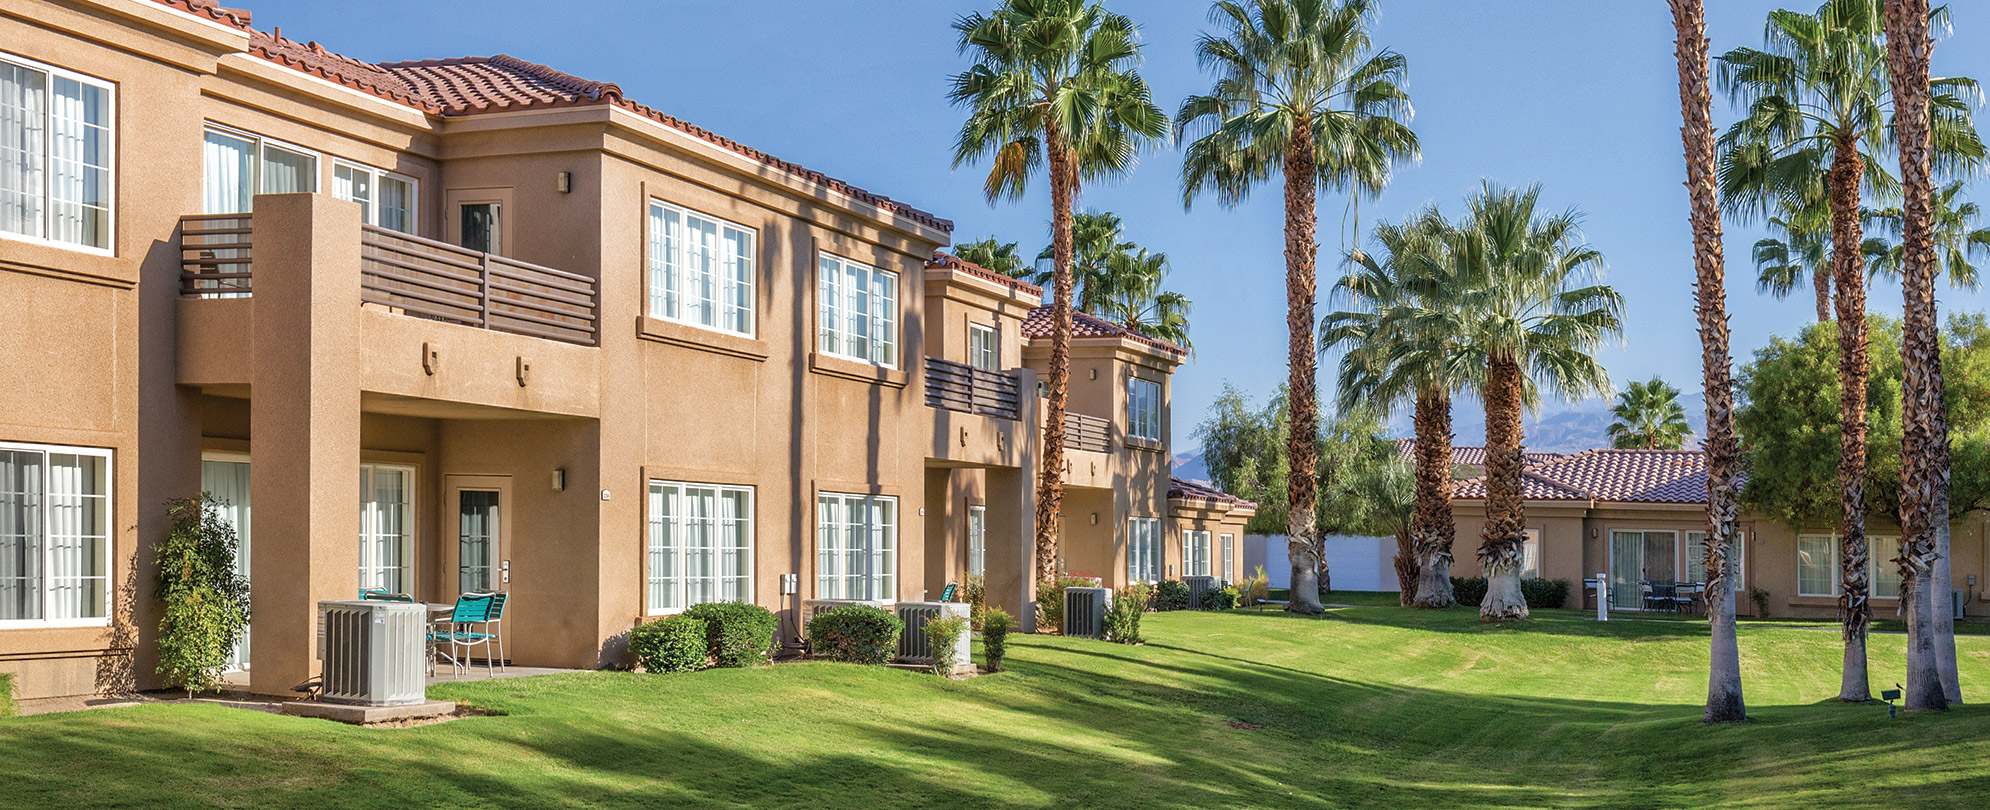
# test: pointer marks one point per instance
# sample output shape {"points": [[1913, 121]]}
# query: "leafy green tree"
{"points": [[1649, 417], [1000, 257], [1244, 449], [1096, 237], [1134, 298], [1958, 244], [204, 602], [1367, 488], [1054, 88], [1300, 92]]}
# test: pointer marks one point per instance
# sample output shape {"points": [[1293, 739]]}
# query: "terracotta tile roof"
{"points": [[1471, 455], [1623, 476], [312, 58], [949, 261], [1197, 490], [212, 11], [1084, 325]]}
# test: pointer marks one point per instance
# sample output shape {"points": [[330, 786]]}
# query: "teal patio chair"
{"points": [[468, 626]]}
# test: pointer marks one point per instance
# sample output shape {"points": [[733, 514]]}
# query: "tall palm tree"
{"points": [[1817, 102], [1924, 441], [1398, 338], [1534, 310], [1649, 417], [1299, 91], [1054, 86], [1800, 255], [1131, 296], [1958, 243], [1724, 698], [1000, 257], [1096, 237]]}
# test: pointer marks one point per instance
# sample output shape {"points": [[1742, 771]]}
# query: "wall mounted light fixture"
{"points": [[560, 480], [565, 183]]}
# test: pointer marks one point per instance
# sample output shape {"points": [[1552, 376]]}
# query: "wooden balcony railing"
{"points": [[960, 387], [214, 256], [1088, 433], [439, 281]]}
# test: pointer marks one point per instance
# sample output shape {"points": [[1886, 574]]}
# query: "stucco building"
{"points": [[566, 345]]}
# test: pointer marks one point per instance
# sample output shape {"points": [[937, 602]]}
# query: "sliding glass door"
{"points": [[386, 527], [226, 478]]}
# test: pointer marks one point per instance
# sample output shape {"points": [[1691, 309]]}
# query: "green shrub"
{"points": [[1761, 599], [6, 695], [1255, 589], [1544, 593], [1123, 615], [1223, 598], [674, 644], [204, 602], [943, 635], [1171, 595], [736, 634], [975, 593], [1469, 591], [995, 629], [1050, 601], [855, 634]]}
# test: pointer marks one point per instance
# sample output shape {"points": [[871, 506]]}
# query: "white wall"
{"points": [[1356, 562]]}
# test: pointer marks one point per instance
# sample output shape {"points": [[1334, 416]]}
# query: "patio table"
{"points": [[439, 615]]}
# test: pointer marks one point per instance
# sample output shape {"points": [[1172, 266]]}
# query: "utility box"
{"points": [[913, 647], [1196, 587], [373, 652], [1085, 611]]}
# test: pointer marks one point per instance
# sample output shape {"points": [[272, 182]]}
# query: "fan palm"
{"points": [[1800, 254], [1130, 295], [1958, 243], [1397, 336], [1817, 103], [1649, 417], [1301, 92], [1534, 311], [1096, 237], [1000, 257], [1054, 87]]}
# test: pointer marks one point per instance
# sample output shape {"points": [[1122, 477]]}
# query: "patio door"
{"points": [[226, 477], [386, 527], [479, 519], [1637, 557]]}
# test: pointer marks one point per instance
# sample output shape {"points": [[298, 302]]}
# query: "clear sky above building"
{"points": [[1579, 96]]}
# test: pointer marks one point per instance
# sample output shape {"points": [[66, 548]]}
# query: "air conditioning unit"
{"points": [[1085, 611], [373, 652], [912, 645], [1958, 599], [1196, 585], [812, 608]]}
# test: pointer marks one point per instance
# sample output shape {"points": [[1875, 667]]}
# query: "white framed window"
{"points": [[984, 347], [386, 527], [1229, 558], [701, 270], [56, 139], [858, 311], [977, 541], [55, 517], [386, 199], [1195, 553], [1143, 408], [700, 545], [856, 547], [238, 165], [1530, 555], [1817, 565], [1143, 549], [1886, 573], [1696, 558]]}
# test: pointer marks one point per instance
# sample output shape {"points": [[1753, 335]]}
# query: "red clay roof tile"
{"points": [[1084, 325], [1624, 476], [1196, 490], [211, 10], [949, 261]]}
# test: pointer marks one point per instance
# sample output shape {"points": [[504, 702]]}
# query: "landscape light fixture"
{"points": [[1891, 695]]}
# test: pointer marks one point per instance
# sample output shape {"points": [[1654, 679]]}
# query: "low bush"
{"points": [[1469, 590], [1254, 589], [1539, 593], [203, 601], [1223, 598], [974, 592], [943, 636], [1761, 599], [995, 629], [1122, 622], [1171, 595], [673, 644], [1050, 601], [6, 695], [855, 634], [736, 634]]}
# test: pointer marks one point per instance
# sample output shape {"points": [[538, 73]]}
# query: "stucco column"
{"points": [[1011, 544], [303, 428]]}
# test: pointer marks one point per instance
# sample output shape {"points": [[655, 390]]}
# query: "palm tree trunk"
{"points": [[1302, 438], [1432, 529], [1848, 269], [1050, 478], [1506, 515], [1822, 283], [1924, 470], [1724, 699], [1406, 568]]}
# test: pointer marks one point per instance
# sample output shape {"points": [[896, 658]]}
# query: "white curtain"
{"points": [[739, 281], [734, 514], [79, 582], [227, 172], [828, 295], [79, 164], [21, 148], [20, 534], [663, 557], [397, 205], [829, 527], [228, 482], [884, 305], [665, 236], [285, 171]]}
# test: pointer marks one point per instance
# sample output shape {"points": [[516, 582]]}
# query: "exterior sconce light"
{"points": [[560, 480], [1095, 518], [565, 182], [1095, 374]]}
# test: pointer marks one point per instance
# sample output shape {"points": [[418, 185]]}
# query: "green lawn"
{"points": [[1370, 706]]}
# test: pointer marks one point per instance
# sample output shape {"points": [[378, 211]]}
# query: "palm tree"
{"points": [[1096, 237], [1000, 257], [1924, 445], [1300, 91], [1958, 243], [1533, 309], [1817, 96], [1054, 86], [1802, 254], [1724, 699], [1131, 296], [1649, 417], [1398, 342]]}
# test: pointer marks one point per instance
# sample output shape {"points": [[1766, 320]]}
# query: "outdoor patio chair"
{"points": [[1663, 596], [948, 594], [493, 626], [467, 627]]}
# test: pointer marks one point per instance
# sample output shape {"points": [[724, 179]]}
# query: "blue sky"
{"points": [[1581, 97]]}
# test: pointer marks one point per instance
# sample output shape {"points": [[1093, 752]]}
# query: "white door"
{"points": [[977, 540], [226, 477]]}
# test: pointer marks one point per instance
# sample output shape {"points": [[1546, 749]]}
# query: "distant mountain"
{"points": [[1190, 466], [1559, 427]]}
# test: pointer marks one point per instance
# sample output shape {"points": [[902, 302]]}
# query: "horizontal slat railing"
{"points": [[960, 387], [425, 278], [1088, 433], [214, 255]]}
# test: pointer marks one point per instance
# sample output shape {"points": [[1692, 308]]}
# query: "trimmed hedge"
{"points": [[995, 627], [943, 635], [673, 644], [736, 634], [855, 634], [1223, 598], [1050, 601], [1123, 615], [1539, 593], [1171, 595]]}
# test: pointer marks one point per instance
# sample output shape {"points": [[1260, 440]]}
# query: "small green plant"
{"points": [[1761, 600], [1542, 594], [204, 603], [6, 695], [1223, 598], [736, 634], [1469, 590], [1050, 601], [1255, 589], [855, 634], [995, 629], [1171, 595], [943, 636], [1122, 621], [975, 593], [674, 644]]}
